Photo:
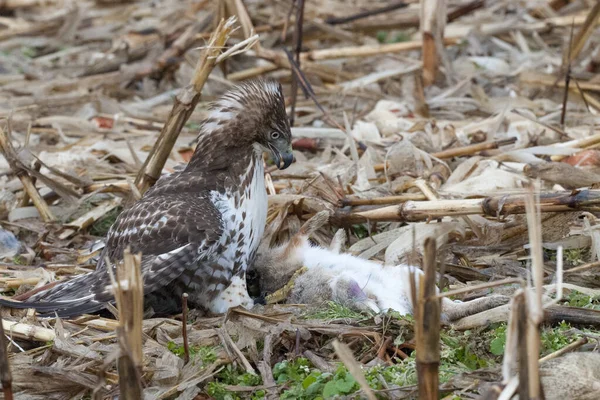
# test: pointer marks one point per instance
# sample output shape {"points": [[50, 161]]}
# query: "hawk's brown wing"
{"points": [[172, 231]]}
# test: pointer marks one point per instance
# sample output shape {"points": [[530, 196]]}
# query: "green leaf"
{"points": [[497, 345], [330, 389], [309, 380], [347, 384]]}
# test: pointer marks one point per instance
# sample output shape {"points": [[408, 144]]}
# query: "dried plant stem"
{"points": [[28, 185], [5, 375], [29, 332], [493, 206], [252, 72], [184, 332], [25, 200], [463, 151], [325, 72], [474, 148], [522, 344], [129, 295], [535, 306], [588, 142], [472, 288], [583, 267], [367, 51], [184, 106], [433, 22], [382, 200], [584, 33], [427, 326]]}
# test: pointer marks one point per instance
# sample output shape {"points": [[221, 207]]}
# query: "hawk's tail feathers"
{"points": [[63, 309]]}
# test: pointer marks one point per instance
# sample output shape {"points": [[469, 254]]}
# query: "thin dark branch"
{"points": [[567, 79], [298, 41], [365, 14], [184, 332], [304, 84], [464, 10], [587, 106]]}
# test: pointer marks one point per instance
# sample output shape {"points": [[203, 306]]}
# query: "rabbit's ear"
{"points": [[338, 243]]}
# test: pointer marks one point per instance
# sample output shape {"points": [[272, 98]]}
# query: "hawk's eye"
{"points": [[275, 135]]}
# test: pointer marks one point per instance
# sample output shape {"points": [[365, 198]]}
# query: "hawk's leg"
{"points": [[236, 294]]}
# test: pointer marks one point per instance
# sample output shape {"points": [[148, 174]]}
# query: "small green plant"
{"points": [[360, 231], [28, 52], [341, 383], [206, 354], [578, 299], [397, 37], [575, 256], [306, 383], [18, 260], [218, 391], [555, 338], [294, 370], [498, 343], [459, 353], [101, 227], [231, 375], [572, 257], [332, 310], [401, 374]]}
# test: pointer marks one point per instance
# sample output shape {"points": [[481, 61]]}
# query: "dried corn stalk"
{"points": [[433, 22]]}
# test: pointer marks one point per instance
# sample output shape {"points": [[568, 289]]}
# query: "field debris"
{"points": [[459, 136]]}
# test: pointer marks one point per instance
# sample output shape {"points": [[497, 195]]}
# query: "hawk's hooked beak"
{"points": [[287, 156]]}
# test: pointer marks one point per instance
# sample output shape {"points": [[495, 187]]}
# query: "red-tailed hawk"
{"points": [[197, 229]]}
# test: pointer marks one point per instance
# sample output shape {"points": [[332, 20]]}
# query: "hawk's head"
{"points": [[256, 111]]}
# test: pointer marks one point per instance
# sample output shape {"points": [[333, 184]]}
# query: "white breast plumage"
{"points": [[244, 218]]}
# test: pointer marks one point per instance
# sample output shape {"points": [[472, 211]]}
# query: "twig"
{"points": [[228, 342], [427, 326], [184, 106], [184, 332], [25, 199], [5, 375], [548, 126], [15, 164], [129, 295], [563, 112], [365, 14], [487, 285]]}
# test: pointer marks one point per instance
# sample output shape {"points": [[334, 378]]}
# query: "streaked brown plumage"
{"points": [[197, 229]]}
